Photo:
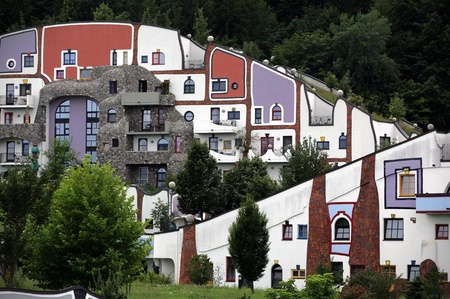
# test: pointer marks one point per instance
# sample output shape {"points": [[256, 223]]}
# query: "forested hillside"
{"points": [[389, 56]]}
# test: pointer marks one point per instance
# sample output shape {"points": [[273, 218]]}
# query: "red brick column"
{"points": [[319, 246], [365, 248], [139, 199], [188, 251]]}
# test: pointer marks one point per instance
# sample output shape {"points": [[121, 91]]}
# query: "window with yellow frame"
{"points": [[407, 185], [389, 270]]}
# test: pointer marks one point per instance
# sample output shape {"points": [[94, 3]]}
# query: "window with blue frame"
{"points": [[70, 58], [302, 231], [323, 145], [342, 141]]}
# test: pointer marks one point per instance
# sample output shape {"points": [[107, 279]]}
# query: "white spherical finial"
{"points": [[293, 71], [340, 93], [394, 119], [430, 127], [189, 218], [189, 35], [210, 38], [266, 62]]}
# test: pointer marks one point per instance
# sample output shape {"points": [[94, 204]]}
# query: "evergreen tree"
{"points": [[199, 181], [91, 235], [248, 242], [103, 13], [201, 28]]}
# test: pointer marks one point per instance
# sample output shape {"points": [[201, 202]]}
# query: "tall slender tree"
{"points": [[248, 242]]}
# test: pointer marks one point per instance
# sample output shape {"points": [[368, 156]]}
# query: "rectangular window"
{"points": [[442, 231], [302, 231], [158, 58], [23, 88], [356, 269], [413, 272], [234, 115], [323, 145], [231, 270], [337, 268], [9, 94], [385, 141], [258, 115], [287, 232], [8, 118], [393, 229], [389, 271], [60, 74], [160, 117], [238, 142], [266, 143], [85, 74], [408, 185], [342, 141], [146, 119], [142, 85], [10, 151], [125, 58], [114, 57], [142, 144], [143, 175], [70, 58], [112, 87], [115, 142], [25, 147], [227, 144], [287, 141], [215, 115], [105, 147], [298, 273], [144, 59], [219, 85], [214, 143], [178, 144], [28, 61]]}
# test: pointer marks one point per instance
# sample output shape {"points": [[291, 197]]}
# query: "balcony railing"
{"points": [[434, 203], [149, 128], [13, 158], [16, 100]]}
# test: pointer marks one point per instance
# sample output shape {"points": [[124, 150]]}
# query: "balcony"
{"points": [[141, 99], [16, 101], [221, 126], [13, 158], [436, 203], [136, 128]]}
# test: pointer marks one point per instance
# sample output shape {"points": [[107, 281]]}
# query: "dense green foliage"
{"points": [[21, 199], [375, 48], [200, 269], [91, 238], [248, 178], [316, 286], [248, 242], [304, 161], [198, 182], [368, 284]]}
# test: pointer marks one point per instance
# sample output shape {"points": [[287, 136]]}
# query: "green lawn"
{"points": [[141, 291]]}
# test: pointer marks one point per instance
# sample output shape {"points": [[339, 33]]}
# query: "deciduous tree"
{"points": [[91, 235]]}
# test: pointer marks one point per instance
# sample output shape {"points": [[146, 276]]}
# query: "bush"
{"points": [[287, 290], [376, 285], [153, 278], [200, 269]]}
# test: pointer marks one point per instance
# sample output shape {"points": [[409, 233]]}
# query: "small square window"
{"points": [[302, 231], [442, 231], [115, 142], [227, 144], [60, 74], [144, 59], [323, 145], [28, 61], [298, 273], [389, 270], [393, 229], [219, 85], [105, 147], [234, 115], [85, 74]]}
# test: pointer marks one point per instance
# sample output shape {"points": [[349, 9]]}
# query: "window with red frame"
{"points": [[231, 270], [287, 231], [8, 117], [442, 231], [265, 143], [178, 144], [158, 58], [276, 113]]}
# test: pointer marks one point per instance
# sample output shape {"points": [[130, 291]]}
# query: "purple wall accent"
{"points": [[270, 88], [391, 183], [13, 46], [77, 122], [333, 209]]}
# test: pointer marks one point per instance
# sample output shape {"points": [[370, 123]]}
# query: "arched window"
{"points": [[189, 85], [342, 141], [277, 276], [142, 144], [163, 144], [62, 116], [161, 177], [342, 229], [276, 112], [112, 115]]}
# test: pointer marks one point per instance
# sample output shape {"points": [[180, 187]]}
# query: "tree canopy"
{"points": [[91, 235], [199, 181], [248, 242]]}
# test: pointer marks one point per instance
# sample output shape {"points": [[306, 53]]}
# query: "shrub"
{"points": [[153, 278], [200, 269]]}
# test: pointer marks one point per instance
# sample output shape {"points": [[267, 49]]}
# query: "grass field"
{"points": [[144, 291]]}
